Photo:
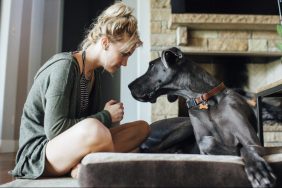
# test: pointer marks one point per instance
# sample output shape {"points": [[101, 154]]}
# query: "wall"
{"points": [[216, 34], [137, 65], [29, 35], [245, 35], [10, 27]]}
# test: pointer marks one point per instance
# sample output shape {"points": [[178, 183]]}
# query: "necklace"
{"points": [[84, 95], [88, 78]]}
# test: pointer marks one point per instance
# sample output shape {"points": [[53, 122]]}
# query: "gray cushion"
{"points": [[167, 170]]}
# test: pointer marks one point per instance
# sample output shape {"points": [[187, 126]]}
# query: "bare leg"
{"points": [[67, 149], [64, 152], [129, 136], [126, 138], [75, 171]]}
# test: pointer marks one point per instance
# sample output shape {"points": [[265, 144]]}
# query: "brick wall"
{"points": [[257, 37]]}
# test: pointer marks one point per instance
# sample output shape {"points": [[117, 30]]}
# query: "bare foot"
{"points": [[75, 171]]}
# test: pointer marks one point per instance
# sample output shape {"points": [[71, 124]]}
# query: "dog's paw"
{"points": [[260, 173]]}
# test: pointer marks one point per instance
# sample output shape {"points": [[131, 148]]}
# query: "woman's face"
{"points": [[115, 58]]}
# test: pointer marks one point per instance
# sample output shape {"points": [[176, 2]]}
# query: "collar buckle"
{"points": [[191, 103]]}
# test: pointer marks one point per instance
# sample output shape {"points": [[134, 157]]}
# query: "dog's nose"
{"points": [[133, 86], [130, 85]]}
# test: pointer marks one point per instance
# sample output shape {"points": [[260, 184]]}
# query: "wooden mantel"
{"points": [[224, 21]]}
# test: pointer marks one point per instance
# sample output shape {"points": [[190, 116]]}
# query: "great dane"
{"points": [[223, 123]]}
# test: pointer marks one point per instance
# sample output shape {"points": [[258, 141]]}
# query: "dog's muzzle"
{"points": [[145, 97], [139, 95]]}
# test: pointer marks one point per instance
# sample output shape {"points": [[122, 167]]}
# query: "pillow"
{"points": [[167, 170]]}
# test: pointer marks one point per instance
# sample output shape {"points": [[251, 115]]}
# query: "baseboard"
{"points": [[7, 146]]}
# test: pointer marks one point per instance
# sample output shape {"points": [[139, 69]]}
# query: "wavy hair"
{"points": [[116, 22]]}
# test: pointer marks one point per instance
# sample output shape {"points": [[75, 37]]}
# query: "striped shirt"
{"points": [[84, 94]]}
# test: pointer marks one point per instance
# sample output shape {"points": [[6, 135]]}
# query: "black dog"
{"points": [[222, 121]]}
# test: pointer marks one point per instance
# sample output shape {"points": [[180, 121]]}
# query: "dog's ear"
{"points": [[172, 98], [171, 56]]}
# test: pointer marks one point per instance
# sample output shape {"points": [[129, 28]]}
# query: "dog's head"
{"points": [[160, 77]]}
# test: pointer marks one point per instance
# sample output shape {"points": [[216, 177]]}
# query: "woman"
{"points": [[62, 121]]}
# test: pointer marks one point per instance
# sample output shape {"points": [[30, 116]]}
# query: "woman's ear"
{"points": [[104, 42]]}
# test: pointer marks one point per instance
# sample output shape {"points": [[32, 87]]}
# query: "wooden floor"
{"points": [[7, 162]]}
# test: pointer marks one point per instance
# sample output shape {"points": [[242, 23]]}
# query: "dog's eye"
{"points": [[159, 81], [151, 65]]}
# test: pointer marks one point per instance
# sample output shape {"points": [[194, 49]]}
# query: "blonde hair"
{"points": [[116, 22]]}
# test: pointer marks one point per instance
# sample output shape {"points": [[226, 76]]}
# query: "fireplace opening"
{"points": [[255, 7]]}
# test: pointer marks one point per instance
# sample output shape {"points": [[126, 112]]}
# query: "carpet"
{"points": [[44, 182]]}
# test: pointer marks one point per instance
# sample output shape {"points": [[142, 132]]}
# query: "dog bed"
{"points": [[168, 170]]}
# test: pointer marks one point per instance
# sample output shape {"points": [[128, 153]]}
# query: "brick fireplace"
{"points": [[209, 37]]}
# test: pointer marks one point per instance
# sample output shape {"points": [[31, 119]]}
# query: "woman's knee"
{"points": [[144, 127], [140, 128], [95, 135]]}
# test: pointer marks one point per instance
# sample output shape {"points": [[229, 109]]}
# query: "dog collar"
{"points": [[203, 99]]}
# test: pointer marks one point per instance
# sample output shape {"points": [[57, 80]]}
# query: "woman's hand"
{"points": [[116, 110]]}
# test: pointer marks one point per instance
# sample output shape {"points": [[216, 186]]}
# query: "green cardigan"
{"points": [[52, 106]]}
